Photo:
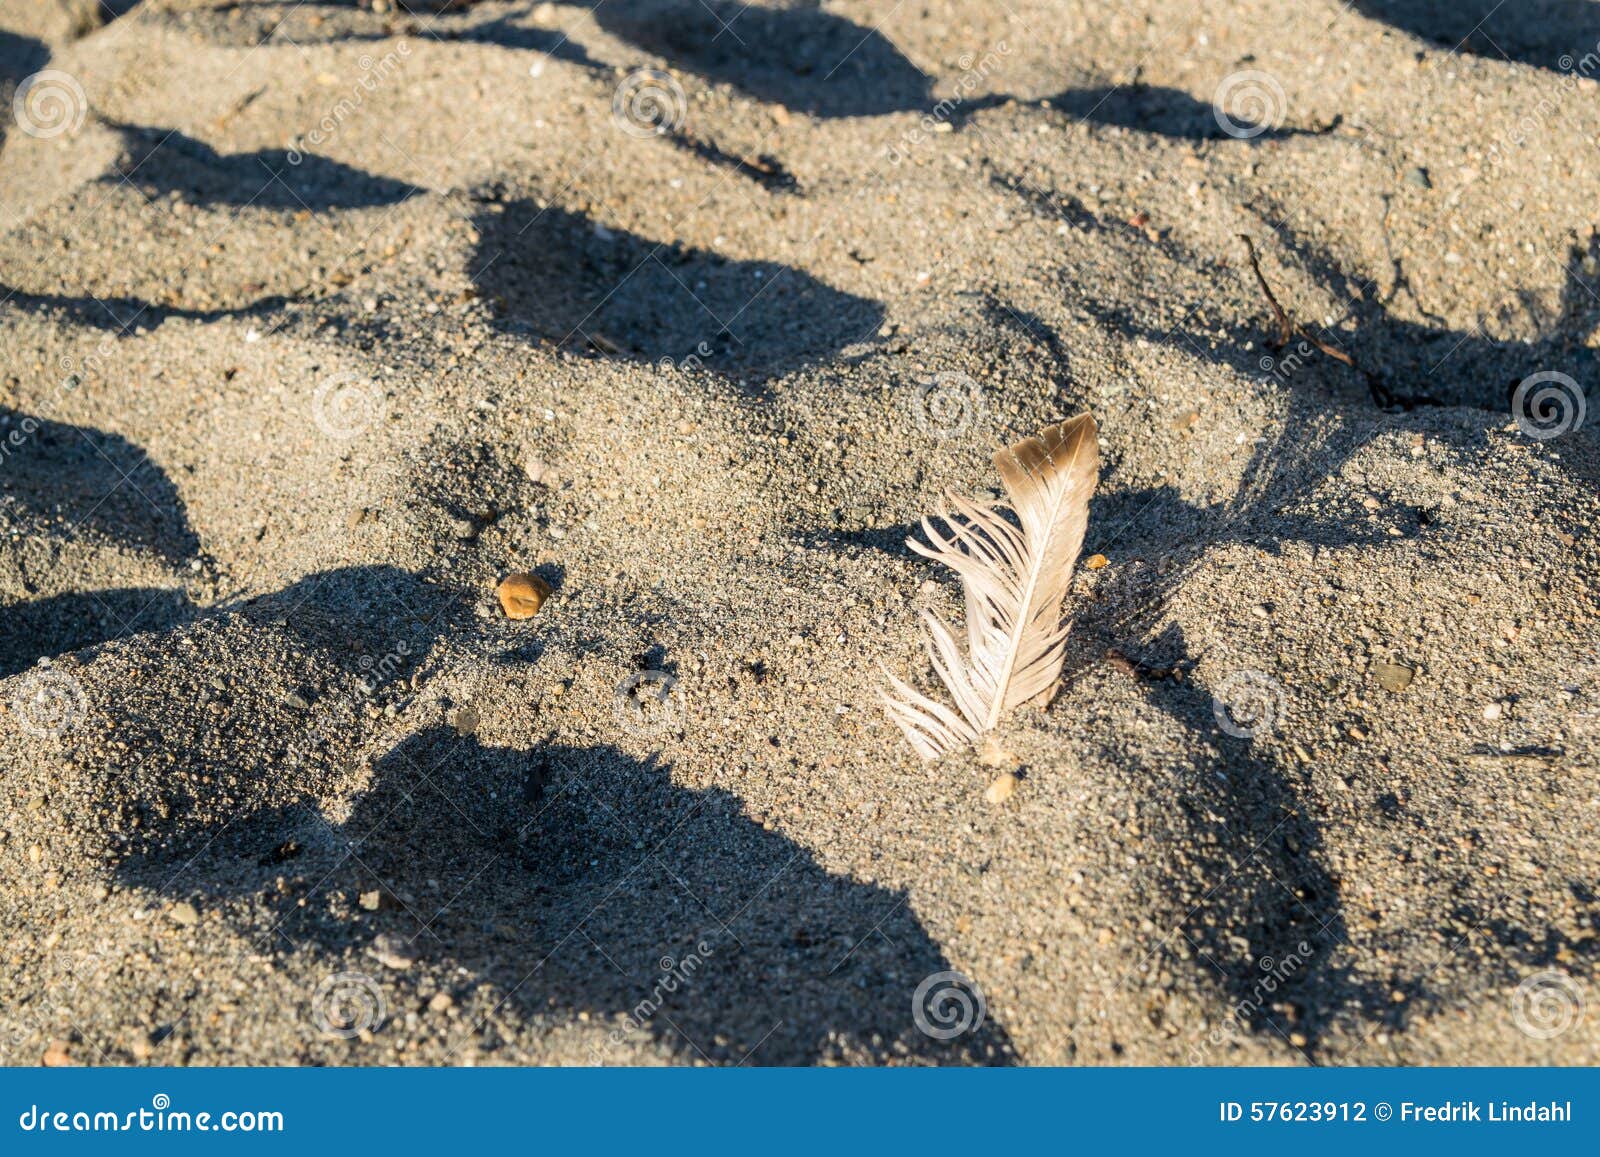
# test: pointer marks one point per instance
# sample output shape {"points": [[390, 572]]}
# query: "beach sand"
{"points": [[320, 319]]}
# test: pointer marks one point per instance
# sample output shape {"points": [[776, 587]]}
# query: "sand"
{"points": [[320, 319]]}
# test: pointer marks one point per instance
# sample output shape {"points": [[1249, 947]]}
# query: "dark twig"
{"points": [[1285, 326], [1287, 331]]}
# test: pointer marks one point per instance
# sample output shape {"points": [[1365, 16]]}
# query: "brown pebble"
{"points": [[521, 595], [371, 901], [1002, 789], [184, 913], [441, 1002], [1095, 562], [57, 1056], [1393, 676]]}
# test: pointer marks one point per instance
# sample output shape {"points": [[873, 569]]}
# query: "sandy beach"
{"points": [[320, 319]]}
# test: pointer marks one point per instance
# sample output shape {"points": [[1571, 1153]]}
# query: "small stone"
{"points": [[463, 528], [371, 901], [1095, 562], [392, 951], [1419, 178], [1394, 677], [184, 913], [521, 595], [1371, 503], [1493, 711], [56, 1055], [465, 721], [1002, 789], [441, 1002], [1298, 1040]]}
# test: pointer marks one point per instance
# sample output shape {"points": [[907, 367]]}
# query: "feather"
{"points": [[1015, 578]]}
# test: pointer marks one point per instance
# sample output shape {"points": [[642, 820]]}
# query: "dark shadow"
{"points": [[68, 481], [122, 315], [581, 879], [1255, 895], [162, 161], [70, 622], [20, 58], [766, 171], [1406, 363], [196, 755], [800, 56], [1155, 109], [1549, 34], [559, 276], [1399, 364]]}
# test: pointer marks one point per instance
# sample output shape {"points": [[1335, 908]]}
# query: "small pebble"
{"points": [[1095, 562], [1493, 711], [371, 900], [392, 951], [1002, 789], [184, 913], [521, 595], [1393, 676], [441, 1002], [56, 1055]]}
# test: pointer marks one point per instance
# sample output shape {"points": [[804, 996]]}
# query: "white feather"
{"points": [[1015, 578]]}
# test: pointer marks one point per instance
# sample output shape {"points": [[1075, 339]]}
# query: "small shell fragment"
{"points": [[521, 595], [1002, 789]]}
